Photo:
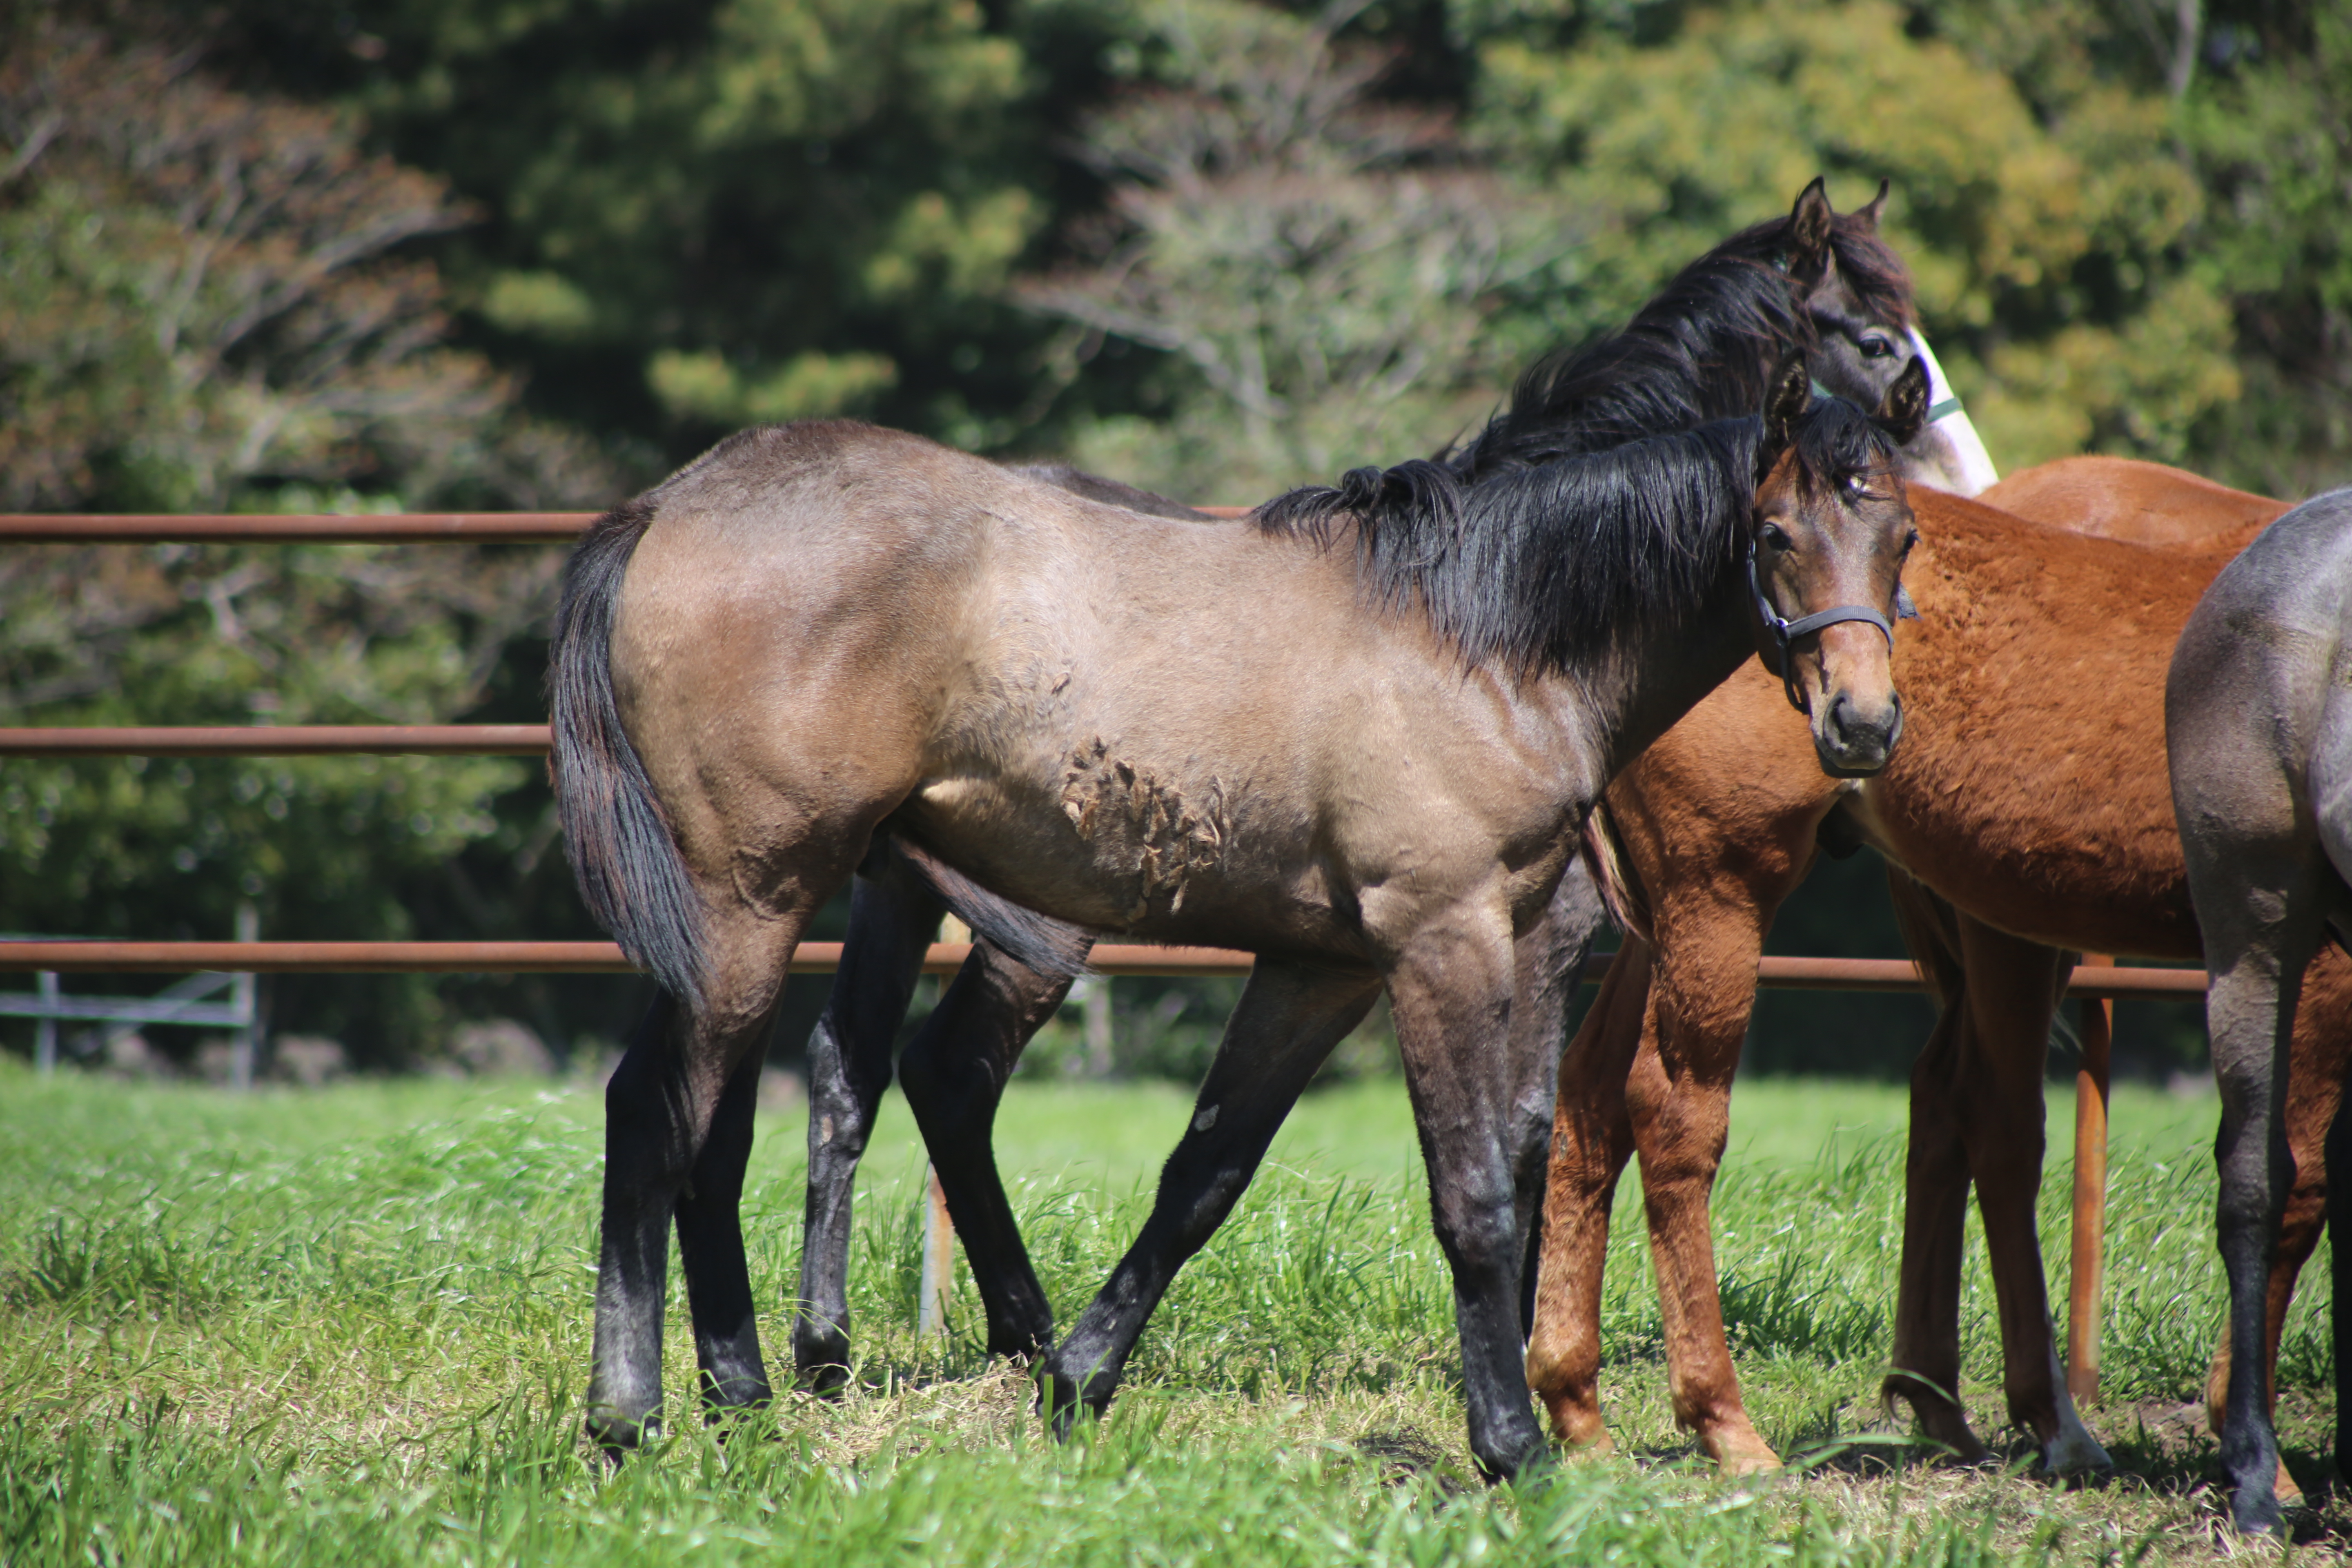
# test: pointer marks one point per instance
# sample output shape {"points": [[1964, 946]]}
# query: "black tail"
{"points": [[1049, 946], [621, 852]]}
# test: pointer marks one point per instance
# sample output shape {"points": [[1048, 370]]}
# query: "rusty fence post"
{"points": [[938, 1259], [2086, 1283]]}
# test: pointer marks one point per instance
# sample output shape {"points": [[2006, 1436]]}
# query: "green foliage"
{"points": [[2045, 242], [350, 1327]]}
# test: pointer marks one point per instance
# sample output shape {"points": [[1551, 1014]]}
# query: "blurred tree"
{"points": [[198, 303], [695, 216], [1322, 265]]}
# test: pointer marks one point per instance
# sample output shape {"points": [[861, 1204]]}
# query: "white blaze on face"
{"points": [[1968, 465]]}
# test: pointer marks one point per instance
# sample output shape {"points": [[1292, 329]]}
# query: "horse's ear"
{"points": [[1867, 215], [1786, 398], [1809, 233], [1903, 411]]}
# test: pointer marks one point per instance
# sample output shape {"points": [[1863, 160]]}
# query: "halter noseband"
{"points": [[1781, 633]]}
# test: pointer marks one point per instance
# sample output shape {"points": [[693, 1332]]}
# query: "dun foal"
{"points": [[820, 633], [1701, 349]]}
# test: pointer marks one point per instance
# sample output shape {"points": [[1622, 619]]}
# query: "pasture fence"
{"points": [[2097, 979]]}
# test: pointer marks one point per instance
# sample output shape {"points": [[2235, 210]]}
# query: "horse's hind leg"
{"points": [[1547, 963], [710, 1249], [892, 919], [2323, 1036], [2259, 906], [2012, 992], [1290, 1018], [659, 1112], [953, 1073]]}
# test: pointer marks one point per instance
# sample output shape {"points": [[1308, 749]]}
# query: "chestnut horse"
{"points": [[2029, 806], [1815, 278], [2260, 732], [819, 635]]}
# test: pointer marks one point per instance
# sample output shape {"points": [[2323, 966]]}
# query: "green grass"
{"points": [[350, 1326]]}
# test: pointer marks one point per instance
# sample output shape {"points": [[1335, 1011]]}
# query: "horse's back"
{"points": [[2130, 499], [2260, 696]]}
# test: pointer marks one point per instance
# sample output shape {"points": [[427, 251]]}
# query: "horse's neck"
{"points": [[1657, 676]]}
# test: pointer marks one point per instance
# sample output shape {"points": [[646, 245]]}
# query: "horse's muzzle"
{"points": [[1853, 738]]}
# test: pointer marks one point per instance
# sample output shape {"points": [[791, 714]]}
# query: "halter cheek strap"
{"points": [[1780, 633], [1936, 412]]}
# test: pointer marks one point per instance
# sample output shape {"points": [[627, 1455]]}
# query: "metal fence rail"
{"points": [[1878, 974]]}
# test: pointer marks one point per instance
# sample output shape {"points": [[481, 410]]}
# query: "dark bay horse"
{"points": [[2031, 806], [2259, 725], [821, 634], [1816, 278]]}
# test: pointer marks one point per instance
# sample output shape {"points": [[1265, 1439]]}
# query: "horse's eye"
{"points": [[1857, 483], [1909, 539], [1876, 347], [1778, 537]]}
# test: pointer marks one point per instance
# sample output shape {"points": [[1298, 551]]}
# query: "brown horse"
{"points": [[818, 636], [2261, 754], [2034, 808]]}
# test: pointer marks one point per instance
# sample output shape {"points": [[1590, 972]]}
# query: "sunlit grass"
{"points": [[351, 1325]]}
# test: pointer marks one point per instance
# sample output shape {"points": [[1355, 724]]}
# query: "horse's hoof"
{"points": [[825, 1380], [2075, 1452], [1600, 1446], [1737, 1449], [617, 1435], [2255, 1512], [1577, 1425], [821, 1361]]}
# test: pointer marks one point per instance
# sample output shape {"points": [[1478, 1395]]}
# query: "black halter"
{"points": [[1781, 633]]}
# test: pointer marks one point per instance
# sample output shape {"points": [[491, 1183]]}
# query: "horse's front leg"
{"points": [[660, 1110], [1678, 1098], [892, 919], [954, 1073], [1452, 996], [1290, 1018], [1591, 1140], [1924, 1365]]}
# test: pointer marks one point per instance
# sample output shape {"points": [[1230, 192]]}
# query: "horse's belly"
{"points": [[1129, 854], [2099, 886]]}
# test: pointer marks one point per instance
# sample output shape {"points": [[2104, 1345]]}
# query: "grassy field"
{"points": [[350, 1326]]}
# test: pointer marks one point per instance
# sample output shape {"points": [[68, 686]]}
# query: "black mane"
{"points": [[1551, 565], [1610, 495], [1698, 351]]}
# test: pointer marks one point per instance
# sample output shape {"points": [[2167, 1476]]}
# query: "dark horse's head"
{"points": [[1827, 538]]}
